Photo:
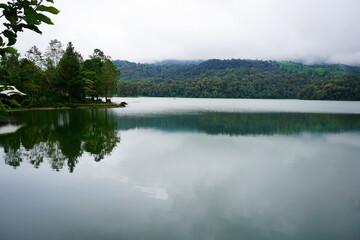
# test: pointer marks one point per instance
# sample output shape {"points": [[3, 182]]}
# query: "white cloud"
{"points": [[140, 30]]}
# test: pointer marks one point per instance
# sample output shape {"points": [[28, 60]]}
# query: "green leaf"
{"points": [[1, 41], [12, 41], [48, 9], [11, 16], [10, 36], [12, 102], [3, 51], [50, 1], [10, 50], [30, 19], [29, 10], [44, 18], [33, 28]]}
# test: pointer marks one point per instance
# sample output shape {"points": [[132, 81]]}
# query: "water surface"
{"points": [[166, 168]]}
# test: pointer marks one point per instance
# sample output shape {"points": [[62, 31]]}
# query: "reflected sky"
{"points": [[149, 106], [236, 176], [61, 137], [193, 186]]}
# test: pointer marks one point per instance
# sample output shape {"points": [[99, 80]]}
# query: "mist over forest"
{"points": [[237, 78]]}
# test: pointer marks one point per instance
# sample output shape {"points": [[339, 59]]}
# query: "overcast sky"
{"points": [[311, 31]]}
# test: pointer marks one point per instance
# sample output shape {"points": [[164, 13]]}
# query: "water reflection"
{"points": [[60, 137], [245, 123], [254, 187], [185, 176]]}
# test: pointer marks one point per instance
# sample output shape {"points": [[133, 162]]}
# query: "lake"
{"points": [[172, 168]]}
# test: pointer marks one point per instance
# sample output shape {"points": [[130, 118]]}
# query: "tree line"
{"points": [[60, 75], [341, 88], [234, 78]]}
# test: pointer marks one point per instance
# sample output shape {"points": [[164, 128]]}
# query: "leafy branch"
{"points": [[20, 15]]}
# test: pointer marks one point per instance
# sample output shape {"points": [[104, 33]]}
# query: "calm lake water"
{"points": [[165, 168]]}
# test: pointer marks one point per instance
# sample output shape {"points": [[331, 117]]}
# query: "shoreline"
{"points": [[80, 106]]}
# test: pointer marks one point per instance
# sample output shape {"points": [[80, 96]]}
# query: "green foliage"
{"points": [[225, 78], [99, 55], [92, 71], [109, 73], [10, 62], [323, 71], [128, 89], [19, 15], [63, 84], [64, 79], [342, 88], [69, 73], [6, 104], [5, 76], [12, 102], [100, 73], [30, 76]]}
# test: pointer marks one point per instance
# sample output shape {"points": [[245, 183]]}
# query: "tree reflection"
{"points": [[236, 124], [60, 137]]}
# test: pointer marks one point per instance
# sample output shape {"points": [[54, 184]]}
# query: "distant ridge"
{"points": [[178, 62], [241, 78]]}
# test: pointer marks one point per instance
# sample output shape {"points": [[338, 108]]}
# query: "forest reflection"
{"points": [[236, 124], [60, 137]]}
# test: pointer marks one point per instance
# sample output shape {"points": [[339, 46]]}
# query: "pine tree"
{"points": [[69, 81]]}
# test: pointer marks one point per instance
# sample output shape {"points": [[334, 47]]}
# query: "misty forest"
{"points": [[239, 79], [60, 76]]}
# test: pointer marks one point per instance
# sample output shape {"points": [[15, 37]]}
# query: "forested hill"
{"points": [[237, 79]]}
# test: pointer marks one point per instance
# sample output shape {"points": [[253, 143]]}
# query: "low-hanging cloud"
{"points": [[316, 31]]}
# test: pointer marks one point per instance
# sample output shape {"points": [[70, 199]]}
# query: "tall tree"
{"points": [[108, 78], [69, 72], [10, 61], [31, 79], [92, 71], [54, 52], [99, 54], [35, 55]]}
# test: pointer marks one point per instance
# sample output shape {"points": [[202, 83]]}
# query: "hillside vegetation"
{"points": [[237, 79], [342, 88]]}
